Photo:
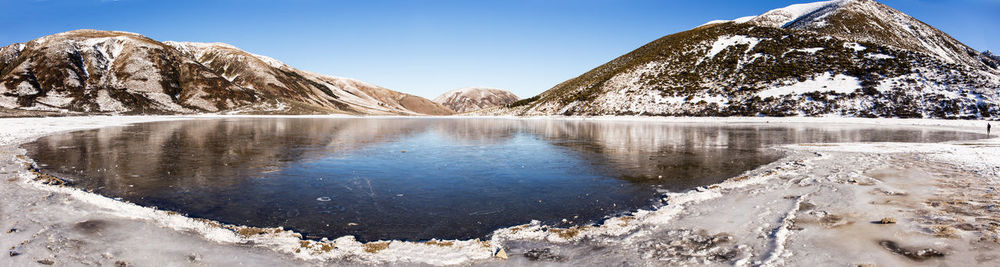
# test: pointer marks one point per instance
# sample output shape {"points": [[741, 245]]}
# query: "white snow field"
{"points": [[817, 206], [825, 82]]}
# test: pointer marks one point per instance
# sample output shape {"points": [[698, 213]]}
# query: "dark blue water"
{"points": [[418, 178]]}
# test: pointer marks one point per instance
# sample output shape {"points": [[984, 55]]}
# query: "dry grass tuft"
{"points": [[626, 220], [375, 247], [944, 231], [568, 232], [440, 243], [518, 228], [250, 231]]}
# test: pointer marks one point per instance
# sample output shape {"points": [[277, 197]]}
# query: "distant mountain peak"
{"points": [[990, 54], [475, 98]]}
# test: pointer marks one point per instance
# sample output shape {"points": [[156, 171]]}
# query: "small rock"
{"points": [[46, 262], [13, 253], [12, 230], [887, 220], [122, 264], [502, 254]]}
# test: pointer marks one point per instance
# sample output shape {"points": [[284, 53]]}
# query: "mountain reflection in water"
{"points": [[419, 178]]}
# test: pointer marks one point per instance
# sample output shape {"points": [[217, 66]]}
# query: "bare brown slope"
{"points": [[90, 71], [99, 71]]}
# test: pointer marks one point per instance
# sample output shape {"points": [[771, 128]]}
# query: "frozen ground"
{"points": [[818, 206]]}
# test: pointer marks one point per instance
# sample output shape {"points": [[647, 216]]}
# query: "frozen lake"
{"points": [[421, 178]]}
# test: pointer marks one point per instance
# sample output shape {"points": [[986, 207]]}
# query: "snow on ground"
{"points": [[825, 82], [726, 41], [855, 46], [786, 15], [816, 206], [806, 50], [878, 56]]}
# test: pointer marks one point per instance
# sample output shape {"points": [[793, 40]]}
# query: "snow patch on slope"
{"points": [[825, 82], [879, 56], [855, 46], [726, 41], [106, 103]]}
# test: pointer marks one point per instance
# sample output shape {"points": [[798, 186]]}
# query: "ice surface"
{"points": [[817, 204]]}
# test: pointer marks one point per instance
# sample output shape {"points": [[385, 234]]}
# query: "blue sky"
{"points": [[429, 47]]}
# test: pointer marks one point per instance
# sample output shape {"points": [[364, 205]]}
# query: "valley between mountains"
{"points": [[875, 121]]}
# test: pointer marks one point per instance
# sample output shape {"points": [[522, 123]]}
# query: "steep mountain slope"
{"points": [[90, 71], [870, 21], [475, 98], [93, 71], [275, 78], [848, 57]]}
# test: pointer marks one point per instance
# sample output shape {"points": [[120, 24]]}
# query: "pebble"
{"points": [[887, 220], [502, 254]]}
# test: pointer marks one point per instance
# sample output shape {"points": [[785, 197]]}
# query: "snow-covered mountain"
{"points": [[989, 55], [90, 71], [843, 57], [475, 98]]}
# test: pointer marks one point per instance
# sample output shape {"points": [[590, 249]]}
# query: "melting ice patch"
{"points": [[823, 83]]}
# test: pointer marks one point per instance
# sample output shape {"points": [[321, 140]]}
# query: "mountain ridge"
{"points": [[93, 71], [785, 63]]}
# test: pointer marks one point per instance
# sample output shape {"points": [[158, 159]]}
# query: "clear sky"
{"points": [[428, 47]]}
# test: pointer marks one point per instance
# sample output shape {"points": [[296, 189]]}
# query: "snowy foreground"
{"points": [[821, 205]]}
